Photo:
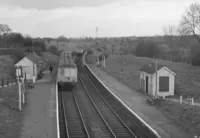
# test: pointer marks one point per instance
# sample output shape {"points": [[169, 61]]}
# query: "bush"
{"points": [[99, 49], [17, 55], [147, 49], [196, 60], [53, 50], [195, 55], [89, 51]]}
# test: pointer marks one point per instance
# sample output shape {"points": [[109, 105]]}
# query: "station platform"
{"points": [[165, 127], [39, 114]]}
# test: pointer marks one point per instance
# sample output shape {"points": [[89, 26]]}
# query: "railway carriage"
{"points": [[67, 71]]}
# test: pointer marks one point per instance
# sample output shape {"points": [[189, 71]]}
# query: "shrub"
{"points": [[89, 51], [53, 50], [147, 49], [17, 55]]}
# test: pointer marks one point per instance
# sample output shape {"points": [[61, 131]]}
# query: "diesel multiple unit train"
{"points": [[79, 50], [67, 71]]}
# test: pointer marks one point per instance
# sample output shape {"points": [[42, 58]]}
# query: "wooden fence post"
{"points": [[7, 81], [2, 81], [192, 101], [19, 89], [181, 99]]}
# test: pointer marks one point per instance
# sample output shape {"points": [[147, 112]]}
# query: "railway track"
{"points": [[74, 124], [96, 125], [62, 118], [129, 119], [114, 123]]}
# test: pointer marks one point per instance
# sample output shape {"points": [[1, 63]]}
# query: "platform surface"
{"points": [[39, 119], [136, 102]]}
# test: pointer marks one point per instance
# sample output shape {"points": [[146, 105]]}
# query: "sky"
{"points": [[79, 18]]}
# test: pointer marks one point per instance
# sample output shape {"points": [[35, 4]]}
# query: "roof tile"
{"points": [[151, 68]]}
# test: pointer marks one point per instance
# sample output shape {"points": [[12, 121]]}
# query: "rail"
{"points": [[81, 116], [113, 121], [63, 128], [142, 124], [112, 133], [74, 120], [124, 124]]}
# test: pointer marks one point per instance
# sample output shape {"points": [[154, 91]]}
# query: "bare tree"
{"points": [[170, 32], [4, 29], [190, 23]]}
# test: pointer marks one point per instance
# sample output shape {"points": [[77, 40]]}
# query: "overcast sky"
{"points": [[75, 18]]}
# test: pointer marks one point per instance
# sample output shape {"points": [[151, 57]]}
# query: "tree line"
{"points": [[17, 44], [177, 36]]}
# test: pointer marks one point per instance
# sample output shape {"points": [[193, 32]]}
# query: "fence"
{"points": [[14, 95], [7, 81]]}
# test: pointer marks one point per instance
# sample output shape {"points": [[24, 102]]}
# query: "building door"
{"points": [[147, 83]]}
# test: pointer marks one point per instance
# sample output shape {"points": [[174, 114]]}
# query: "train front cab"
{"points": [[66, 86]]}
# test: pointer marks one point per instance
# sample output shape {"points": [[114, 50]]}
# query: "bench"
{"points": [[150, 99]]}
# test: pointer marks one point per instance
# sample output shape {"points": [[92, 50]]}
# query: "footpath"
{"points": [[39, 119], [166, 127]]}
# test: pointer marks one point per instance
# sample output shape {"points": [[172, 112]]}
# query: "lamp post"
{"points": [[156, 78], [122, 69]]}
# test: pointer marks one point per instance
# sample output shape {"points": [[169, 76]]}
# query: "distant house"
{"points": [[165, 80], [31, 65]]}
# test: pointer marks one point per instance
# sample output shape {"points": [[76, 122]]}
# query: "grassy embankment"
{"points": [[187, 83]]}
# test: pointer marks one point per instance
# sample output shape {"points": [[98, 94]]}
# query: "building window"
{"points": [[164, 84]]}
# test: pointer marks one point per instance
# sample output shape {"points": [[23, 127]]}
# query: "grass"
{"points": [[10, 117], [187, 83], [187, 116], [6, 67], [187, 79]]}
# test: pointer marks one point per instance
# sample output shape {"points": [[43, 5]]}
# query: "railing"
{"points": [[7, 81]]}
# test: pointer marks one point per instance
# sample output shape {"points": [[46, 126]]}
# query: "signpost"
{"points": [[20, 74]]}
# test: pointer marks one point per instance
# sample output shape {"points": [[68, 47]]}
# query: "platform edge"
{"points": [[147, 125], [57, 114]]}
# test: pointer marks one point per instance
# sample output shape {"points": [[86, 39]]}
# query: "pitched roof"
{"points": [[151, 68], [18, 62]]}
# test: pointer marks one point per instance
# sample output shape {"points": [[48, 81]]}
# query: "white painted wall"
{"points": [[165, 72], [152, 82], [28, 63]]}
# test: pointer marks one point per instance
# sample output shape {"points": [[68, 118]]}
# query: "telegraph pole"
{"points": [[122, 70], [96, 32], [33, 46]]}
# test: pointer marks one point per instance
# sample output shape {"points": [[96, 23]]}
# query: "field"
{"points": [[186, 116], [6, 67], [187, 79], [187, 83], [10, 117]]}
